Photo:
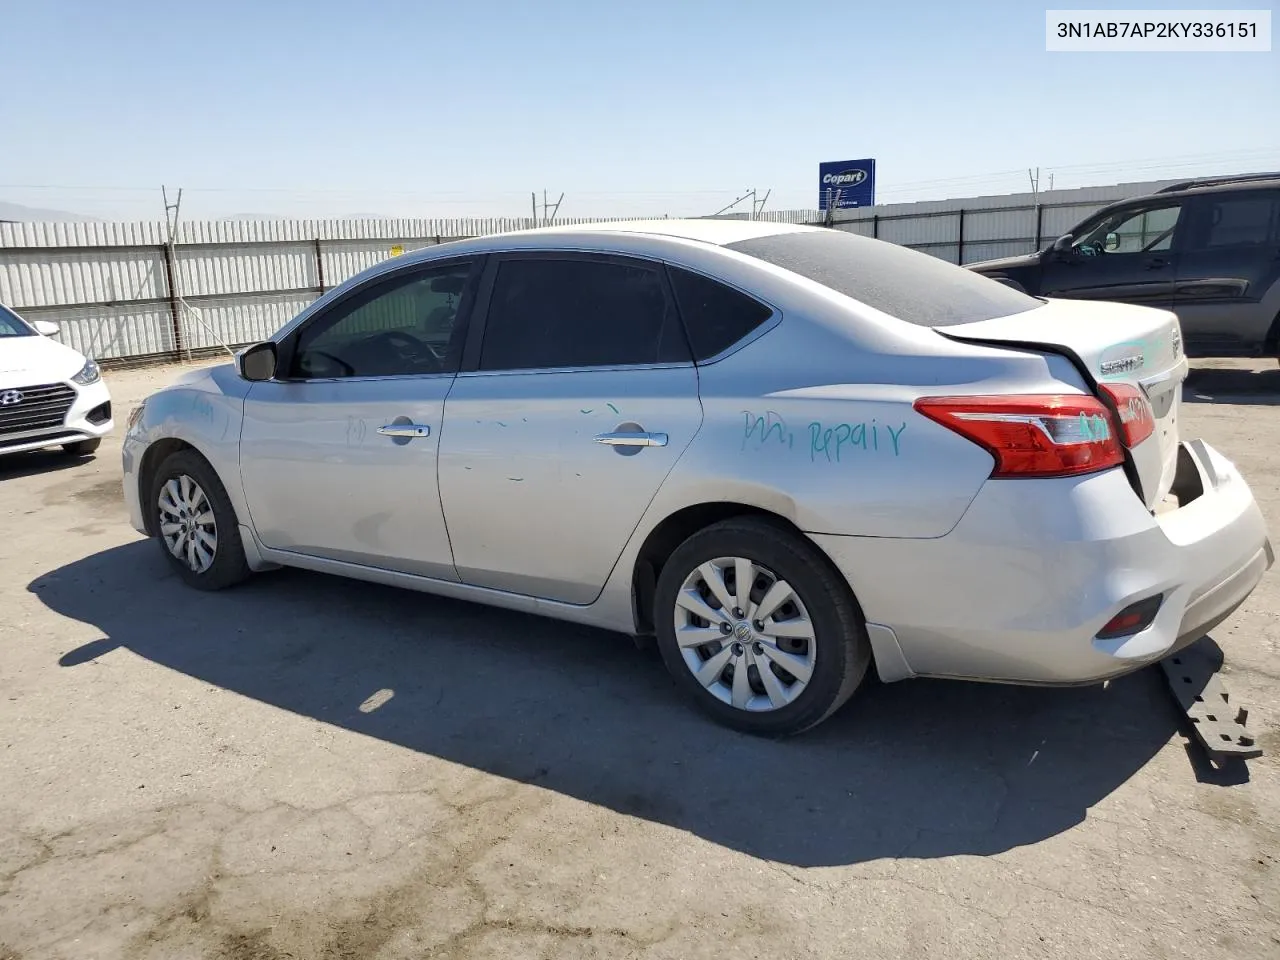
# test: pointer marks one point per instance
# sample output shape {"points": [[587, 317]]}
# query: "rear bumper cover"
{"points": [[1019, 589]]}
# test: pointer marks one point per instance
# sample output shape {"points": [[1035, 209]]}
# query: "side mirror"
{"points": [[258, 362], [46, 328], [1062, 244]]}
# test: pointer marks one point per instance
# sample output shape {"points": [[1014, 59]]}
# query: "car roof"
{"points": [[1179, 191], [706, 230], [1236, 181]]}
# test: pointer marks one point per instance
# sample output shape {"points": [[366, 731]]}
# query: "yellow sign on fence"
{"points": [[397, 250]]}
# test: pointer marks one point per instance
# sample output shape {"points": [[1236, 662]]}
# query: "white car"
{"points": [[50, 395], [786, 452]]}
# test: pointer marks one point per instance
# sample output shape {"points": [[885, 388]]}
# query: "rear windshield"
{"points": [[903, 283]]}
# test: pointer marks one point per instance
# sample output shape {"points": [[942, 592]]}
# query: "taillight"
{"points": [[1137, 422], [1039, 435]]}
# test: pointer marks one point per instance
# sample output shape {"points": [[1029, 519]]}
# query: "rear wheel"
{"points": [[195, 523], [82, 448], [755, 625]]}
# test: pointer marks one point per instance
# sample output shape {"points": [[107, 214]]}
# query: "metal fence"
{"points": [[122, 291]]}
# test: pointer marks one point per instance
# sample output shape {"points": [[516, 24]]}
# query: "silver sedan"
{"points": [[786, 453]]}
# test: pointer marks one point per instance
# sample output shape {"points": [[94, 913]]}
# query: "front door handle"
{"points": [[629, 439], [1157, 263], [405, 430]]}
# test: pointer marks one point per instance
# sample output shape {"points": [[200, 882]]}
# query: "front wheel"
{"points": [[195, 523], [758, 628]]}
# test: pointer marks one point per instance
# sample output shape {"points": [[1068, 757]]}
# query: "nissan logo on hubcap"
{"points": [[10, 397]]}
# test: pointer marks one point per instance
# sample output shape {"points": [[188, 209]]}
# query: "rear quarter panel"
{"points": [[807, 423]]}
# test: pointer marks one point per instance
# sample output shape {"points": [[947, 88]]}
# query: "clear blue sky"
{"points": [[329, 108]]}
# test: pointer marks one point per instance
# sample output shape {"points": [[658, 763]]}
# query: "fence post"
{"points": [[875, 226], [1039, 214], [960, 239], [175, 309], [319, 266]]}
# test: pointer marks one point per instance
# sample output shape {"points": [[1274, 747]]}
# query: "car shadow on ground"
{"points": [[1230, 385], [921, 768], [15, 465]]}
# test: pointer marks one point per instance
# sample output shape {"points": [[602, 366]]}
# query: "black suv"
{"points": [[1207, 249]]}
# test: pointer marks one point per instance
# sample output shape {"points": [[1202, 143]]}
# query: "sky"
{"points": [[448, 109]]}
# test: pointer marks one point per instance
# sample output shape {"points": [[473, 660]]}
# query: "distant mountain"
{"points": [[16, 211]]}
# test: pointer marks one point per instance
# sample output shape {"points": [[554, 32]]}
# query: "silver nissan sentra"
{"points": [[785, 452]]}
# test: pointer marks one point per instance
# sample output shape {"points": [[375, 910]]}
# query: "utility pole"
{"points": [[177, 302], [547, 218], [171, 211], [756, 210], [554, 210], [1035, 185]]}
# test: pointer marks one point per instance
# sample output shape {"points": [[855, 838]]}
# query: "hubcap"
{"points": [[187, 524], [745, 634]]}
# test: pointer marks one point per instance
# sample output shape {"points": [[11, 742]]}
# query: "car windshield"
{"points": [[12, 325], [901, 282]]}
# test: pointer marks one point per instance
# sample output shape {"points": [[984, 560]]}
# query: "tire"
{"points": [[836, 657], [82, 448], [204, 497]]}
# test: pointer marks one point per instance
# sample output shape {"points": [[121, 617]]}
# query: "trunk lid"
{"points": [[1110, 343]]}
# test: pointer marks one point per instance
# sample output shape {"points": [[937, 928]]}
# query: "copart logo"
{"points": [[845, 178], [10, 398]]}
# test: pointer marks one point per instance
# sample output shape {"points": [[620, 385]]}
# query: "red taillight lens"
{"points": [[1040, 435], [1137, 422]]}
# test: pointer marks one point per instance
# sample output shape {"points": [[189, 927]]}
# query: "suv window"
{"points": [[1149, 230], [1233, 221], [580, 312], [903, 283], [715, 316], [404, 326]]}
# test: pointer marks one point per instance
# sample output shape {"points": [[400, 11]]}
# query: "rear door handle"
{"points": [[405, 430], [630, 439]]}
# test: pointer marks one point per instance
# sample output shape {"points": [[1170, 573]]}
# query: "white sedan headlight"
{"points": [[88, 374]]}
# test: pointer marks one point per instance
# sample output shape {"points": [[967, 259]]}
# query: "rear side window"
{"points": [[547, 313], [1239, 221], [715, 316], [903, 283]]}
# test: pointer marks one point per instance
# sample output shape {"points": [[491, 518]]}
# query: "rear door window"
{"points": [[903, 283], [553, 312], [1239, 220]]}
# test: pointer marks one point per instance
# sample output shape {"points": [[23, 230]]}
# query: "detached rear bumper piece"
{"points": [[1218, 722], [1022, 587]]}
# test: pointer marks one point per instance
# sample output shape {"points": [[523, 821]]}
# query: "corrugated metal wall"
{"points": [[108, 284]]}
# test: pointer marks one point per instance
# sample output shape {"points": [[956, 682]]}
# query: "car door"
{"points": [[338, 453], [577, 396], [1127, 255], [1229, 263]]}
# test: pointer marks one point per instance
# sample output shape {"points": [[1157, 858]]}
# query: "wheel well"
{"points": [[155, 455], [669, 534], [1271, 345]]}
